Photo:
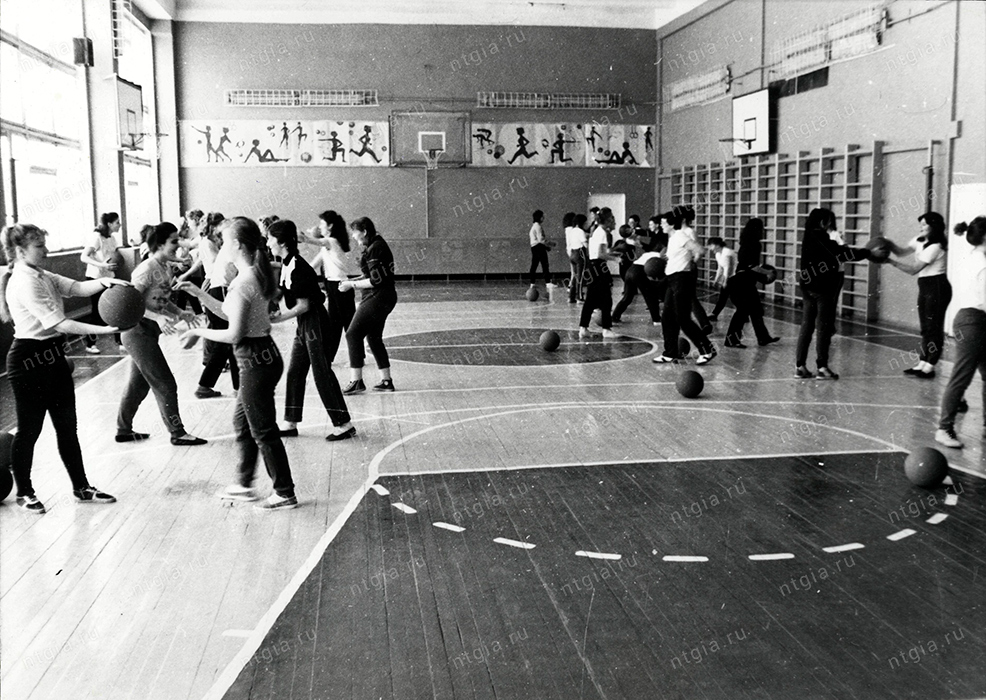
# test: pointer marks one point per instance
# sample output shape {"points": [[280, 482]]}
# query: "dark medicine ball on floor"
{"points": [[690, 384], [550, 340], [6, 478], [532, 294]]}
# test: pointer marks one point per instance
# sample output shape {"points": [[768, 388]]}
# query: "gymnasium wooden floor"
{"points": [[515, 525]]}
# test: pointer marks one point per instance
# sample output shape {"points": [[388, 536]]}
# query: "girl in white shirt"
{"points": [[99, 257], [40, 378], [334, 263], [934, 291]]}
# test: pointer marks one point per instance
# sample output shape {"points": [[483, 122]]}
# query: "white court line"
{"points": [[514, 543], [683, 558], [901, 535], [843, 548], [598, 555], [947, 481], [449, 526], [237, 633], [380, 490], [404, 508], [226, 679], [532, 344], [936, 518], [771, 557], [950, 498]]}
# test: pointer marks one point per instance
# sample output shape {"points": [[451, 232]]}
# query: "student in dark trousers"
{"points": [[149, 370], [725, 269], [40, 378], [335, 265], [100, 259], [378, 301], [635, 280], [220, 272], [302, 299], [969, 328], [698, 311], [820, 276], [742, 288], [246, 310], [598, 293], [539, 249]]}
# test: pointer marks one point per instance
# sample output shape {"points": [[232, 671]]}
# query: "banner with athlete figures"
{"points": [[253, 143], [562, 145]]}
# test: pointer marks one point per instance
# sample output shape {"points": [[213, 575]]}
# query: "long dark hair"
{"points": [[750, 246], [193, 215], [568, 220], [14, 237], [285, 233], [936, 222], [974, 231], [247, 233], [103, 228], [337, 228], [820, 221], [211, 230], [366, 226], [159, 235]]}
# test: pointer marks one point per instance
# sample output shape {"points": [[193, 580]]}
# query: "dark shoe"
{"points": [[735, 345], [963, 406], [768, 340], [930, 374], [187, 440], [347, 435], [31, 504], [803, 373], [206, 393], [826, 373], [354, 387], [384, 385], [911, 370], [132, 436], [289, 432], [91, 494]]}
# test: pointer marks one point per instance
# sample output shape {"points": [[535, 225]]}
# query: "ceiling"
{"points": [[614, 14]]}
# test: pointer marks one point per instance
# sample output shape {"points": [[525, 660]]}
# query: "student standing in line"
{"points": [[302, 299], [149, 370], [246, 311], [575, 246], [539, 249], [599, 293], [742, 288], [934, 291], [40, 378], [725, 269], [969, 328], [335, 264], [378, 301], [99, 257], [679, 298], [821, 276]]}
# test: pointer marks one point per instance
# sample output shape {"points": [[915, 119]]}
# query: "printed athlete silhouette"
{"points": [[337, 147], [365, 139], [522, 142], [209, 150], [265, 157], [558, 148]]}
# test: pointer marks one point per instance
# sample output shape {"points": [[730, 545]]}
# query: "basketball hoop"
{"points": [[431, 158]]}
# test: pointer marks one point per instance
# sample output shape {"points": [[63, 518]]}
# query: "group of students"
{"points": [[247, 282]]}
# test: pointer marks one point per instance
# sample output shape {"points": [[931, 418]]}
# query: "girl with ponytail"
{"points": [[245, 309], [40, 378], [99, 257]]}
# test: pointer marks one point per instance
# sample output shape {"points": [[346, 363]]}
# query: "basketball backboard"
{"points": [[417, 136], [751, 123]]}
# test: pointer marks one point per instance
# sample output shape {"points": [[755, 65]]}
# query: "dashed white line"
{"points": [[598, 555], [947, 481], [449, 526], [936, 518], [683, 558], [514, 543], [381, 491], [771, 557], [237, 633], [404, 508], [951, 499], [901, 535], [843, 548]]}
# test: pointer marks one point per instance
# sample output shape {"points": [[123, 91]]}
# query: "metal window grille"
{"points": [[697, 89], [856, 33], [539, 100], [301, 98]]}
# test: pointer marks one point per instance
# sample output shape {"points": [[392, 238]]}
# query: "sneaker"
{"points": [[131, 436], [607, 333], [91, 494], [803, 373], [586, 333], [826, 373], [354, 387], [948, 438], [275, 502], [205, 392], [706, 358], [663, 359], [551, 285], [347, 434], [122, 350], [186, 440], [92, 350], [235, 492], [31, 504], [384, 385]]}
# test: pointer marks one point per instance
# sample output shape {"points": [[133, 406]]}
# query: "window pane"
{"points": [[48, 25], [11, 107], [142, 199]]}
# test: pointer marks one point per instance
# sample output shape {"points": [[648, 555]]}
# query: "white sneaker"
{"points": [[235, 492], [607, 333], [92, 350], [948, 438], [275, 502], [551, 285]]}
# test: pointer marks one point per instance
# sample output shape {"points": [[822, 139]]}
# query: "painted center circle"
{"points": [[509, 347]]}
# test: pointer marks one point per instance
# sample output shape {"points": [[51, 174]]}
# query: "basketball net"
{"points": [[431, 158]]}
